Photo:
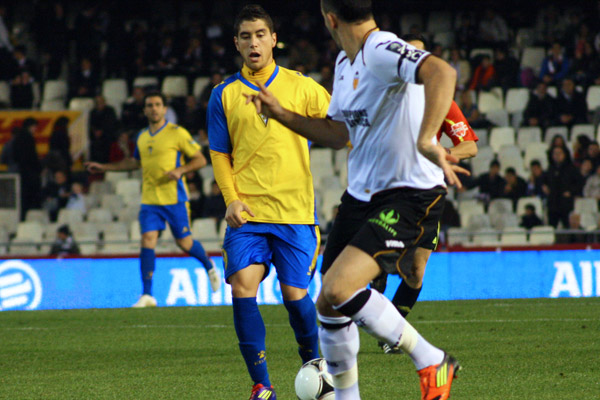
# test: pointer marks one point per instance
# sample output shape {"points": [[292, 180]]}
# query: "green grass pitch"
{"points": [[510, 349]]}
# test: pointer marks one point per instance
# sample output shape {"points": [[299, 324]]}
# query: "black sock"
{"points": [[405, 298]]}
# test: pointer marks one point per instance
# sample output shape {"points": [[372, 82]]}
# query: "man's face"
{"points": [[568, 86], [154, 109], [255, 42], [558, 155]]}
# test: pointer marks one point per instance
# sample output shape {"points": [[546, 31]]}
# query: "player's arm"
{"points": [[197, 161], [466, 149], [323, 131], [126, 164]]}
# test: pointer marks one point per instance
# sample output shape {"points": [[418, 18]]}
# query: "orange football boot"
{"points": [[436, 380]]}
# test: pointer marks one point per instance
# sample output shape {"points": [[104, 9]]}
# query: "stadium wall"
{"points": [[38, 284]]}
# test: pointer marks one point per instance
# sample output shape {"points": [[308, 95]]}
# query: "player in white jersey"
{"points": [[396, 187]]}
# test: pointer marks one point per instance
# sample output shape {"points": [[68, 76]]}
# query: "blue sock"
{"points": [[197, 251], [303, 319], [251, 333], [147, 265]]}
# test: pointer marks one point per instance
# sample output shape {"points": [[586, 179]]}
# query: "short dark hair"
{"points": [[530, 206], [535, 163], [494, 163], [510, 170], [252, 12], [349, 10], [155, 93], [409, 37]]}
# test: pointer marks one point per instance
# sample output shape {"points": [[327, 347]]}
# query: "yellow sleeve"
{"points": [[187, 145], [223, 175], [318, 100]]}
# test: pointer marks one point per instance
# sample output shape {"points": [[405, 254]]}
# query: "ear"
{"points": [[235, 41], [332, 19], [274, 37]]}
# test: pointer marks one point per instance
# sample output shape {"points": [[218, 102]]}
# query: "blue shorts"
{"points": [[292, 249], [152, 218]]}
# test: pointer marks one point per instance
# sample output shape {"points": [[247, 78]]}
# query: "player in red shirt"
{"points": [[464, 139]]}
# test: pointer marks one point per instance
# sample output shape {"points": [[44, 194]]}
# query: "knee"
{"points": [[185, 243], [148, 241], [332, 292]]}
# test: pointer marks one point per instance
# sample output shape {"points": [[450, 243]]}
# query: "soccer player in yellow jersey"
{"points": [[263, 171], [159, 151]]}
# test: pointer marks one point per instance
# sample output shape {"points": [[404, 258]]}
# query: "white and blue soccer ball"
{"points": [[313, 382]]}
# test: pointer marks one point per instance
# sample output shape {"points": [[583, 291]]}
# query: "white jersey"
{"points": [[377, 98]]}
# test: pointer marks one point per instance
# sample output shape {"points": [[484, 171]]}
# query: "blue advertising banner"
{"points": [[38, 284]]}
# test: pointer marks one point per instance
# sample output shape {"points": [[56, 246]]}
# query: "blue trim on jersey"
{"points": [[159, 129], [136, 150], [253, 86], [181, 193], [218, 133]]}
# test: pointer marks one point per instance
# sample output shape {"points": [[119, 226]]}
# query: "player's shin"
{"points": [[303, 320], [198, 252], [340, 343], [377, 315], [147, 266]]}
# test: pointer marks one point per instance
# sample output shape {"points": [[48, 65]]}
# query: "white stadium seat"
{"points": [[582, 129], [70, 217], [458, 236], [593, 97], [500, 206], [501, 136], [32, 231], [514, 237], [586, 205], [4, 93], [532, 58], [536, 151], [81, 104], [112, 202], [556, 130], [55, 90], [204, 229], [145, 81], [199, 85], [489, 101], [175, 86], [483, 136], [480, 52], [115, 89], [40, 216], [114, 176], [128, 187], [541, 235], [100, 215], [114, 231], [85, 232], [486, 237], [516, 100], [528, 134], [53, 105], [535, 201], [498, 117]]}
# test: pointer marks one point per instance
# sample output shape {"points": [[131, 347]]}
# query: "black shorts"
{"points": [[394, 223]]}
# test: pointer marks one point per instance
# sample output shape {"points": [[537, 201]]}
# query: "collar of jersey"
{"points": [[271, 71], [158, 130]]}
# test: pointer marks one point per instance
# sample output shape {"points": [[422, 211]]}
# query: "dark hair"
{"points": [[409, 37], [349, 10], [510, 170], [155, 93], [534, 163], [494, 163], [64, 229], [530, 206], [252, 12], [28, 123]]}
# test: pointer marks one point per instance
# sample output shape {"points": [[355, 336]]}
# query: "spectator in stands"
{"points": [[571, 106], [214, 204], [484, 75], [64, 244], [327, 78], [515, 187], [88, 35], [103, 118], [167, 59], [56, 194], [192, 118], [492, 29], [580, 67], [85, 82], [99, 146], [51, 36], [555, 66], [304, 52], [577, 231], [467, 31], [507, 69], [192, 61], [22, 63], [470, 111], [586, 169], [60, 142], [558, 141], [580, 148], [121, 148], [491, 184], [76, 199], [196, 200], [549, 24], [132, 116], [593, 153], [592, 185], [536, 180], [561, 185], [462, 67], [541, 108], [21, 91], [29, 165], [530, 218]]}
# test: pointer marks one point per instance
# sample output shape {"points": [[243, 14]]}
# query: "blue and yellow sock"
{"points": [[251, 333], [147, 265], [197, 251], [303, 319]]}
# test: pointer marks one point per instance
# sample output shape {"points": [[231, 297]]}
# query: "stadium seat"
{"points": [[70, 217], [134, 230], [321, 157], [589, 221], [4, 93], [514, 237], [175, 86], [446, 142], [498, 117], [91, 201], [50, 231], [23, 247], [116, 104], [205, 229], [556, 130], [340, 160], [481, 52], [552, 91], [82, 104], [504, 220], [9, 220], [128, 187], [480, 165], [469, 207], [85, 232], [128, 214], [199, 84], [40, 216], [98, 188], [222, 230], [525, 37], [516, 100], [486, 237], [55, 90], [532, 58], [100, 215], [112, 202], [88, 249], [328, 182], [146, 81], [316, 76], [510, 156], [489, 101], [120, 248], [114, 231], [541, 235], [114, 176], [586, 205], [53, 105], [483, 136], [458, 236], [439, 21], [132, 200], [500, 206], [535, 201], [500, 137], [477, 221], [528, 134], [32, 231], [408, 20], [536, 151], [331, 198], [445, 39], [582, 129], [593, 97], [115, 89]]}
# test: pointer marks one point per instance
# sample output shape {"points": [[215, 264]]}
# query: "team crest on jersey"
{"points": [[355, 81], [149, 149], [264, 118], [458, 129]]}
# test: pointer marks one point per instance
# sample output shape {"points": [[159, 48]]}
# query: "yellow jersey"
{"points": [[160, 152], [271, 165]]}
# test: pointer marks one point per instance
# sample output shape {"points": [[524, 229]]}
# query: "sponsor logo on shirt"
{"points": [[387, 218], [356, 117], [398, 244], [406, 53], [458, 129]]}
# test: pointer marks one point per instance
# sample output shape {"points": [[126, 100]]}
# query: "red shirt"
{"points": [[456, 127]]}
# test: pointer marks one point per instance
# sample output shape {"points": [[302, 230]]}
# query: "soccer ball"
{"points": [[313, 382]]}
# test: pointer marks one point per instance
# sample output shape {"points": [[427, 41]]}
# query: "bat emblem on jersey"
{"points": [[264, 118], [149, 149]]}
